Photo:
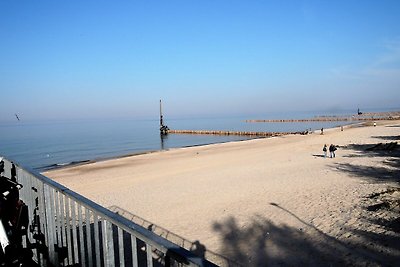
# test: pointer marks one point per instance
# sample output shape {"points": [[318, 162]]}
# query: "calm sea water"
{"points": [[46, 145]]}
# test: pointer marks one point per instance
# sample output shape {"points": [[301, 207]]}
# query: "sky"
{"points": [[80, 59]]}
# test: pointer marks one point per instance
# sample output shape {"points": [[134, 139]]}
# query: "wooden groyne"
{"points": [[240, 133], [378, 116]]}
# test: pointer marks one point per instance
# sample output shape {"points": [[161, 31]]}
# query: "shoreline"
{"points": [[59, 166], [275, 193]]}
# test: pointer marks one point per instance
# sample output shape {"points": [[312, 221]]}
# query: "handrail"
{"points": [[73, 224]]}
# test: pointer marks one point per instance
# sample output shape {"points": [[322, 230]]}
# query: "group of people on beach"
{"points": [[332, 149]]}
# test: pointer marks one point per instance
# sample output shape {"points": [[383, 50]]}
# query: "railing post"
{"points": [[51, 227], [149, 255], [63, 229], [89, 237], [134, 251], [121, 247], [108, 244], [69, 237], [81, 237], [96, 239], [74, 231]]}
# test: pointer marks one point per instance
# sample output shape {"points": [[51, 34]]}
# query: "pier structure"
{"points": [[371, 116], [324, 120], [163, 128], [239, 133]]}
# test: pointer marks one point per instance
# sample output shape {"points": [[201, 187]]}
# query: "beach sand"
{"points": [[272, 201]]}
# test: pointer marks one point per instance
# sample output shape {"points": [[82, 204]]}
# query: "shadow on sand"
{"points": [[389, 138], [388, 171], [264, 243]]}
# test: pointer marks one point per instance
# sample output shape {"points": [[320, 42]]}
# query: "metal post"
{"points": [[134, 251], [69, 237], [81, 237], [121, 247], [96, 239], [161, 117], [108, 244], [149, 255], [88, 237], [74, 232]]}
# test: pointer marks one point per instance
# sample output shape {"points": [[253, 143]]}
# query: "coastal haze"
{"points": [[99, 59], [81, 84]]}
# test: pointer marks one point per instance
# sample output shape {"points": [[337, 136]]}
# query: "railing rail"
{"points": [[67, 229]]}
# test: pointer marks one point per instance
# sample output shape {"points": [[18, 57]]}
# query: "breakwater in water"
{"points": [[241, 133], [376, 116]]}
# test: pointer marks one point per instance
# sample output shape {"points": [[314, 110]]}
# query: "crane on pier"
{"points": [[163, 128]]}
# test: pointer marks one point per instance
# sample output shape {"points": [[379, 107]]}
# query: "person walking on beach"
{"points": [[322, 130], [325, 149], [332, 150]]}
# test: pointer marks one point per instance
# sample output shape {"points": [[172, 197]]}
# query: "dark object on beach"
{"points": [[375, 207], [322, 130], [387, 147], [359, 112]]}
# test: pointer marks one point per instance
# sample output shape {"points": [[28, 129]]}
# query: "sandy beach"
{"points": [[270, 201]]}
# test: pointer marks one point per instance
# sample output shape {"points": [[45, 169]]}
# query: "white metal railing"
{"points": [[67, 229]]}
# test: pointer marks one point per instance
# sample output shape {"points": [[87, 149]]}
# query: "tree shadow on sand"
{"points": [[388, 150], [373, 240], [372, 174], [380, 209], [389, 169], [264, 243], [388, 138]]}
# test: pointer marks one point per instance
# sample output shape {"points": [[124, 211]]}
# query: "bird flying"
{"points": [[17, 117]]}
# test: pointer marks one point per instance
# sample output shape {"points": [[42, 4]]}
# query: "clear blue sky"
{"points": [[89, 59]]}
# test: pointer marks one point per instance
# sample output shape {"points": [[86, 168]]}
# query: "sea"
{"points": [[44, 145]]}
